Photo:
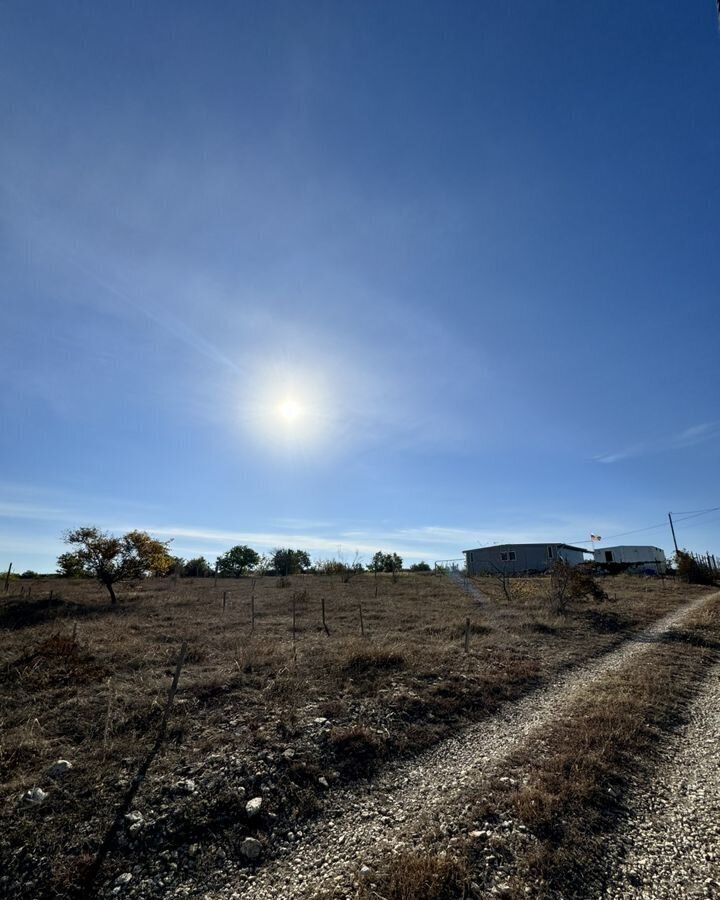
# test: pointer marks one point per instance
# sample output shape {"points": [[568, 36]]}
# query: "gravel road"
{"points": [[407, 800], [467, 585], [671, 843]]}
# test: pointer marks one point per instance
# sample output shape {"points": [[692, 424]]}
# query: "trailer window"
{"points": [[503, 557], [550, 552], [511, 555]]}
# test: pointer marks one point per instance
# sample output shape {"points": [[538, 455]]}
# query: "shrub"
{"points": [[422, 876], [357, 749], [572, 583], [693, 571], [364, 662]]}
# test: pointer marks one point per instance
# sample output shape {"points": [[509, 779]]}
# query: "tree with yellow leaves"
{"points": [[111, 559]]}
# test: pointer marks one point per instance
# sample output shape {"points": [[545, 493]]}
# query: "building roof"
{"points": [[630, 547], [536, 544]]}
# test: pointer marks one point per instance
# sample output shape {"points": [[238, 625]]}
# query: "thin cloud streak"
{"points": [[320, 539], [689, 437]]}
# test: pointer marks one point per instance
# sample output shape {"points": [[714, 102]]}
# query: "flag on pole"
{"points": [[595, 537]]}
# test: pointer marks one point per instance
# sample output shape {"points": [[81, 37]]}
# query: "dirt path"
{"points": [[465, 584], [671, 842], [364, 822]]}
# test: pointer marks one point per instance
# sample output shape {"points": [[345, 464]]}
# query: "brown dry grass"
{"points": [[85, 681], [566, 786], [423, 876]]}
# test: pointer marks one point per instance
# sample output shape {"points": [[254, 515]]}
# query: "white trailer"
{"points": [[650, 559]]}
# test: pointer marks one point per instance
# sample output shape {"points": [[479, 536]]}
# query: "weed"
{"points": [[357, 749], [420, 876]]}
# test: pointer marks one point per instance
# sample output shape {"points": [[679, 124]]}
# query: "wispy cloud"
{"points": [[688, 437], [319, 538]]}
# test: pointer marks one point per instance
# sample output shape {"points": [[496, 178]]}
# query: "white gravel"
{"points": [[671, 843], [364, 822]]}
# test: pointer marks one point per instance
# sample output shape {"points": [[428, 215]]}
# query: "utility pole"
{"points": [[672, 528]]}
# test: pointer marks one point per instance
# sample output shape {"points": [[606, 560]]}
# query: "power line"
{"points": [[684, 516], [610, 537], [694, 524], [693, 514]]}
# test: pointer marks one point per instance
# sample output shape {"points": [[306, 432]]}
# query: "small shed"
{"points": [[517, 559], [637, 558]]}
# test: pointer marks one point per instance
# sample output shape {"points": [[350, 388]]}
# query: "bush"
{"points": [[197, 568], [357, 749], [572, 583], [421, 876], [693, 571]]}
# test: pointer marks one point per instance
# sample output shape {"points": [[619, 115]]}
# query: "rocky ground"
{"points": [[287, 771], [396, 810], [670, 846]]}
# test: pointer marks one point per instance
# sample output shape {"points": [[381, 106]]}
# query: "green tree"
{"points": [[289, 562], [237, 561], [420, 567], [385, 562], [71, 566], [112, 559], [197, 568], [176, 567]]}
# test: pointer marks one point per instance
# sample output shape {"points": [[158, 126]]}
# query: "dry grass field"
{"points": [[273, 710]]}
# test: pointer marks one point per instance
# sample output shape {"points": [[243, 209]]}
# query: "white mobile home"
{"points": [[637, 558], [516, 559]]}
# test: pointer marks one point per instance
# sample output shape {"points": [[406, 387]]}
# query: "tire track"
{"points": [[670, 845], [393, 812]]}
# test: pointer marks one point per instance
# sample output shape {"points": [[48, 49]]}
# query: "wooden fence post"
{"points": [[7, 578], [293, 629], [467, 635], [362, 623], [224, 601], [327, 630]]}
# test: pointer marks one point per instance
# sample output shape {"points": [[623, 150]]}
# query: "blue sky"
{"points": [[474, 246]]}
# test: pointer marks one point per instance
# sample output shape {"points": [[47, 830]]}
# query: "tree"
{"points": [[176, 567], [197, 568], [385, 562], [288, 562], [420, 567], [71, 566], [112, 559], [237, 561]]}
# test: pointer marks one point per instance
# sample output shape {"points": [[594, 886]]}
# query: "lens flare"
{"points": [[290, 410]]}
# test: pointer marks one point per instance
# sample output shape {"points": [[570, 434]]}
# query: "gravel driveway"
{"points": [[672, 840], [395, 810]]}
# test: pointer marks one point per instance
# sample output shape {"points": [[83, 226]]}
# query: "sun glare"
{"points": [[290, 410]]}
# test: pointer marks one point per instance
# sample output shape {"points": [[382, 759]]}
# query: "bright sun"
{"points": [[290, 410]]}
